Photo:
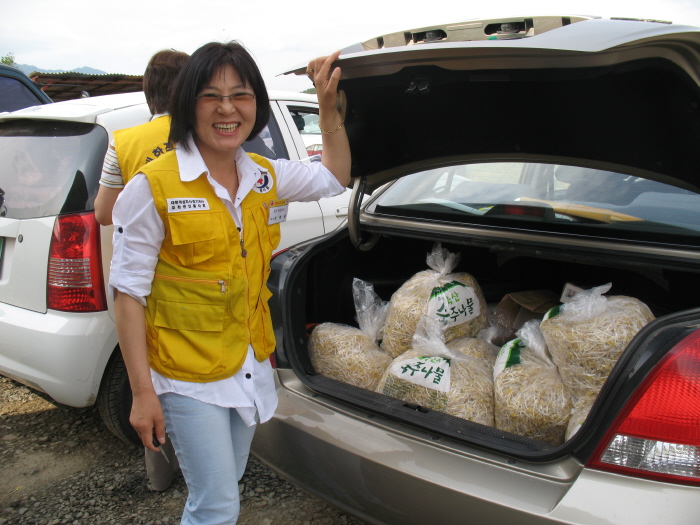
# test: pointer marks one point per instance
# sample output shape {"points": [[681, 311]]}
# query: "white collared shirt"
{"points": [[138, 236]]}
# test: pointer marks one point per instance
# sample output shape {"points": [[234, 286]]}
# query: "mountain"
{"points": [[87, 70]]}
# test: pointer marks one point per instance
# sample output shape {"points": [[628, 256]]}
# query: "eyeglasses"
{"points": [[215, 98]]}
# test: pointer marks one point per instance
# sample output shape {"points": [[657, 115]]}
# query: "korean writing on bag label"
{"points": [[453, 304], [430, 372]]}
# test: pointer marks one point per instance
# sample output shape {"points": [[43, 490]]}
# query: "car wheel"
{"points": [[114, 400]]}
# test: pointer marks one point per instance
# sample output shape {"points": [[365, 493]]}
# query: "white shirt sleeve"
{"points": [[305, 181], [138, 236]]}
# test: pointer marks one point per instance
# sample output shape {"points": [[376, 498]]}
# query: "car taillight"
{"points": [[657, 434], [75, 282], [314, 149]]}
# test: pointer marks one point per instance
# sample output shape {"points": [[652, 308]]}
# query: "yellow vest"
{"points": [[141, 144], [208, 301]]}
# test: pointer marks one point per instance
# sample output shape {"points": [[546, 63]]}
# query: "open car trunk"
{"points": [[318, 289], [597, 122]]}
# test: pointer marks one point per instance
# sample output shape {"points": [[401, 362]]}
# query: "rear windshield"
{"points": [[15, 95], [49, 167], [548, 197]]}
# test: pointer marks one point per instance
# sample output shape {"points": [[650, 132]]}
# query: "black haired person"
{"points": [[193, 241]]}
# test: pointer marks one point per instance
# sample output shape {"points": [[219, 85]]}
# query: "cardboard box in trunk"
{"points": [[517, 308]]}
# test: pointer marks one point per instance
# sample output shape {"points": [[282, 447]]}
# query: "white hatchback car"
{"points": [[56, 321]]}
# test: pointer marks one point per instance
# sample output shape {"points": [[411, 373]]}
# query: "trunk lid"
{"points": [[618, 95]]}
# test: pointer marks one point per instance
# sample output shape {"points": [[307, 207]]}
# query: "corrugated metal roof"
{"points": [[66, 86]]}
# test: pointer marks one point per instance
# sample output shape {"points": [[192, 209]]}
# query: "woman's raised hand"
{"points": [[325, 81], [336, 148]]}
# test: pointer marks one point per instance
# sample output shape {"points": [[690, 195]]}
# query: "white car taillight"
{"points": [[657, 434], [75, 280]]}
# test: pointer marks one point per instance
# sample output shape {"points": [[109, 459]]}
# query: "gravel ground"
{"points": [[60, 465]]}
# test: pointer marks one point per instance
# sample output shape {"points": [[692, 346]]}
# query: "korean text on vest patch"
{"points": [[187, 204]]}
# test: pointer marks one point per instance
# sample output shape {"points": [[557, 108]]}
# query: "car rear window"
{"points": [[15, 95], [548, 197], [49, 167]]}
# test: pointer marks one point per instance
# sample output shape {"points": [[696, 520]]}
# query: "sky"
{"points": [[280, 34]]}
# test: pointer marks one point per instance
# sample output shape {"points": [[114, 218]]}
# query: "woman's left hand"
{"points": [[325, 81]]}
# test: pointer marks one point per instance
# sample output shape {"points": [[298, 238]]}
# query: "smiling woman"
{"points": [[194, 233]]}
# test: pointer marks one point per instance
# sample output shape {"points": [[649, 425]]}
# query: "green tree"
{"points": [[312, 91], [8, 60]]}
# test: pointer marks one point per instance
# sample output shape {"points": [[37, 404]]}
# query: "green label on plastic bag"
{"points": [[430, 372], [552, 312], [508, 355], [453, 304]]}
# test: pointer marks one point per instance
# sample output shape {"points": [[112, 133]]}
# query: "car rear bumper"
{"points": [[59, 353], [386, 473]]}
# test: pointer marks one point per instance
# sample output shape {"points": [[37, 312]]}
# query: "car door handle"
{"points": [[341, 212]]}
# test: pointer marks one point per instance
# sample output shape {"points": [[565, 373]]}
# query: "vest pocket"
{"points": [[271, 230], [192, 237], [189, 336]]}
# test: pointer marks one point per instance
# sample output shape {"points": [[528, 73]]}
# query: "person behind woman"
{"points": [[130, 149], [133, 147], [192, 246]]}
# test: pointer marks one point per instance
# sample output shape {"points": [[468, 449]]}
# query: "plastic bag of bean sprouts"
{"points": [[578, 415], [530, 398], [454, 299], [351, 354], [587, 335], [455, 378]]}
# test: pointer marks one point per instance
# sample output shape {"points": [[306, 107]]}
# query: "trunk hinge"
{"points": [[358, 191]]}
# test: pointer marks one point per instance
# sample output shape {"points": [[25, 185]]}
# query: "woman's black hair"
{"points": [[198, 71]]}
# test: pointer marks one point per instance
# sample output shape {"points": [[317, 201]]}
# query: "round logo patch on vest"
{"points": [[264, 182]]}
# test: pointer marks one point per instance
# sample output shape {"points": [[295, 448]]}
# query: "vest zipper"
{"points": [[244, 252], [220, 282]]}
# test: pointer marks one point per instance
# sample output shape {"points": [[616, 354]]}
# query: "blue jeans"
{"points": [[212, 445]]}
